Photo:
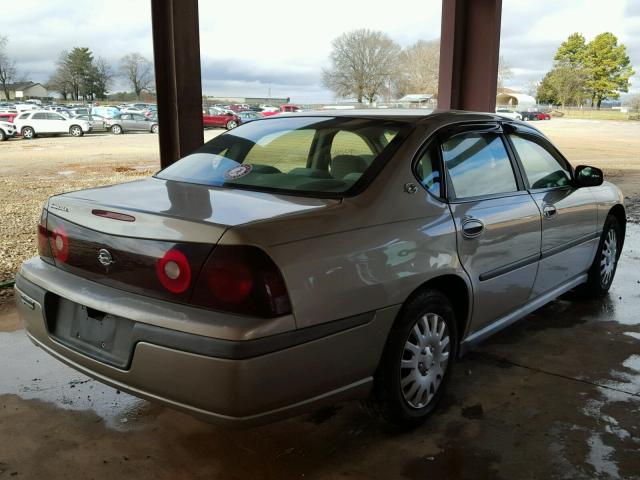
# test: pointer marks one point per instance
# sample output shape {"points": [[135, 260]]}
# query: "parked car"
{"points": [[248, 115], [105, 111], [7, 117], [306, 259], [42, 122], [131, 122], [214, 117], [283, 108], [505, 112], [533, 116], [7, 130], [98, 122]]}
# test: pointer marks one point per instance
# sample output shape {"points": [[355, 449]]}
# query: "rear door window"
{"points": [[478, 165]]}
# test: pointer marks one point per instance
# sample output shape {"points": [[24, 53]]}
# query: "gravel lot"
{"points": [[30, 171]]}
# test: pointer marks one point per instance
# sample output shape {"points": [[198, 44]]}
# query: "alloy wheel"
{"points": [[609, 257], [424, 360]]}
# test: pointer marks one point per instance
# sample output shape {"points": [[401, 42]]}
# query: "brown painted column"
{"points": [[176, 53], [469, 54]]}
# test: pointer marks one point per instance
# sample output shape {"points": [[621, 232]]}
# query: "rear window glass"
{"points": [[302, 155]]}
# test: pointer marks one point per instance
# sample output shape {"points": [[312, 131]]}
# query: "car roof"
{"points": [[407, 115]]}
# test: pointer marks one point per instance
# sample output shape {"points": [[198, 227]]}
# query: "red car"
{"points": [[212, 117], [535, 116], [7, 117], [283, 108]]}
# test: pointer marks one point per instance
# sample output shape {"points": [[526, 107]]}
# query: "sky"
{"points": [[253, 47]]}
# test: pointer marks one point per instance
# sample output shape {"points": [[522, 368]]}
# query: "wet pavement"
{"points": [[555, 396]]}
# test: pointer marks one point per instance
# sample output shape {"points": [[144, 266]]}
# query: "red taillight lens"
{"points": [[59, 242], [242, 279], [174, 271]]}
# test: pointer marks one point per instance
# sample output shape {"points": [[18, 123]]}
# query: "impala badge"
{"points": [[105, 258]]}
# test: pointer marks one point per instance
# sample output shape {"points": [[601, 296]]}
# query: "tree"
{"points": [[138, 71], [571, 52], [8, 71], [504, 71], [417, 70], [362, 61], [103, 77], [609, 68]]}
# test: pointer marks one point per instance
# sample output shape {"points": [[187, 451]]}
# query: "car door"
{"points": [[569, 214], [58, 123], [141, 123], [497, 221], [127, 121], [40, 122]]}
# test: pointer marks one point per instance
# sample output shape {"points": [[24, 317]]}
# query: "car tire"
{"points": [[605, 263], [231, 124], [76, 131], [28, 133], [155, 129], [416, 363], [3, 137], [116, 129]]}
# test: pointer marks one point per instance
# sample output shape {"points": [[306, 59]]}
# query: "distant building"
{"points": [[515, 101], [418, 100], [24, 91]]}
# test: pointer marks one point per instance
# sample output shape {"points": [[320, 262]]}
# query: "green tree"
{"points": [[571, 52], [546, 92], [608, 66]]}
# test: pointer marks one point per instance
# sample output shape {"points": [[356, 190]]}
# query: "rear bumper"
{"points": [[232, 382]]}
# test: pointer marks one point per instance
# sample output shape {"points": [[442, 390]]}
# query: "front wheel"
{"points": [[3, 137], [416, 363], [116, 129], [76, 131], [28, 133], [605, 262], [231, 124], [154, 129]]}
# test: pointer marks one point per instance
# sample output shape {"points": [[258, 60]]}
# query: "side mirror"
{"points": [[586, 176]]}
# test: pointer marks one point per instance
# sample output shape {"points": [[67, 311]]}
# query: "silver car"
{"points": [[312, 258], [131, 122]]}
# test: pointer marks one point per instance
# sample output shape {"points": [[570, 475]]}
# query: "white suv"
{"points": [[7, 130], [30, 124]]}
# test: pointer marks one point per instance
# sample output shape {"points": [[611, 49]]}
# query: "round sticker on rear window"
{"points": [[237, 172]]}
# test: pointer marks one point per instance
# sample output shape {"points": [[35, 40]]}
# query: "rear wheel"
{"points": [[231, 124], [154, 129], [116, 129], [416, 363], [3, 137], [28, 133], [605, 262], [76, 131]]}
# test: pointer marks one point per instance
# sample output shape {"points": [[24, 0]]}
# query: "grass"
{"points": [[605, 114]]}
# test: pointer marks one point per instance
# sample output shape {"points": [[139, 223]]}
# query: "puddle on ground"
{"points": [[30, 373]]}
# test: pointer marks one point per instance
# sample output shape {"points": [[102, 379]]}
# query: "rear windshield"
{"points": [[318, 156]]}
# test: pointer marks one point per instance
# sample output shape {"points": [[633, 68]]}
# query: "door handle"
{"points": [[549, 211], [472, 227]]}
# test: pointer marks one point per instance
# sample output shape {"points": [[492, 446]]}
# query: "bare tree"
{"points": [[418, 68], [361, 63], [8, 69], [138, 71], [103, 77], [504, 71]]}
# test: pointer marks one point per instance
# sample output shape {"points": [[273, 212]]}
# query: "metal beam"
{"points": [[176, 53], [469, 54]]}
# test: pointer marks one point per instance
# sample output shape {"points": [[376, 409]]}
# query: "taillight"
{"points": [[44, 248], [174, 271], [242, 279], [59, 241]]}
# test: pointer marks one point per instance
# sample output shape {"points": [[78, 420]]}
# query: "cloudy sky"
{"points": [[251, 46]]}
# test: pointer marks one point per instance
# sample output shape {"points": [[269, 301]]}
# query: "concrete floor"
{"points": [[555, 396]]}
